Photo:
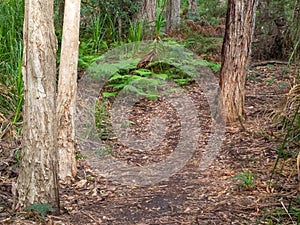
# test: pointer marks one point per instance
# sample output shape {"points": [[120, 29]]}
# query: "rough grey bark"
{"points": [[236, 50], [37, 181], [172, 14], [193, 9], [147, 14], [148, 11], [67, 89]]}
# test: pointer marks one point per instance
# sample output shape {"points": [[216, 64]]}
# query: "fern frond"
{"points": [[142, 72]]}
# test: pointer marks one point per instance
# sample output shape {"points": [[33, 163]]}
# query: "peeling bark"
{"points": [[67, 89], [236, 50], [173, 15], [37, 181], [193, 9], [148, 10]]}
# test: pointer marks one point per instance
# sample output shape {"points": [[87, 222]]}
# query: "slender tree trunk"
{"points": [[37, 181], [193, 9], [119, 22], [222, 3], [295, 31], [296, 12], [236, 49], [172, 14], [67, 88], [61, 11]]}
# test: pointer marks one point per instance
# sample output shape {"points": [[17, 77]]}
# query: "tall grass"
{"points": [[11, 45], [136, 31], [98, 32]]}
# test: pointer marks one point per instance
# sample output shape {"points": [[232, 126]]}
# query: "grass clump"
{"points": [[245, 180], [11, 47]]}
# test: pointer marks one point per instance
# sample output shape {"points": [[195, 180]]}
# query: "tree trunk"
{"points": [[193, 9], [67, 88], [236, 49], [172, 14], [296, 17], [222, 3], [147, 14], [294, 32], [148, 10], [37, 181], [60, 17]]}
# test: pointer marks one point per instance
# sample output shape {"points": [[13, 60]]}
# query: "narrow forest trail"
{"points": [[189, 197], [212, 196]]}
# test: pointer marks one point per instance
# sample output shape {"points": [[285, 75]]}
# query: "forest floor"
{"points": [[236, 189]]}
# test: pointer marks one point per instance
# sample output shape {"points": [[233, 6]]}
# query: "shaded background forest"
{"points": [[108, 24]]}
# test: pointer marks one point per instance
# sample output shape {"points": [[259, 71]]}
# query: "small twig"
{"points": [[298, 170], [265, 95], [6, 198], [197, 220], [5, 220], [90, 216], [241, 123], [243, 127], [285, 209]]}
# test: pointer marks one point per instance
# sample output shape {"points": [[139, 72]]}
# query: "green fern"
{"points": [[145, 87], [214, 66], [116, 77], [41, 208], [182, 81], [149, 95], [161, 76], [145, 82], [143, 72], [122, 72], [109, 94]]}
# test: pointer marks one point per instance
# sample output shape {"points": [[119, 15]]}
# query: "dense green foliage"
{"points": [[145, 82], [212, 11], [105, 23], [277, 30], [11, 88]]}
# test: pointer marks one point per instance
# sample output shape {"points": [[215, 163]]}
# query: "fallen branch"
{"points": [[262, 63]]}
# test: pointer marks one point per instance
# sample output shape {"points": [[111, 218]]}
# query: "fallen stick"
{"points": [[262, 63]]}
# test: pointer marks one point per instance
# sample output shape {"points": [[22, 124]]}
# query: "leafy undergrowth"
{"points": [[236, 189]]}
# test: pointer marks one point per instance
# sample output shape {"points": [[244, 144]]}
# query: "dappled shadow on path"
{"points": [[212, 196]]}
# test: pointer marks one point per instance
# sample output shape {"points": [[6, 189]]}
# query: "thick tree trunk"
{"points": [[37, 181], [172, 14], [235, 55], [67, 88], [148, 11]]}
